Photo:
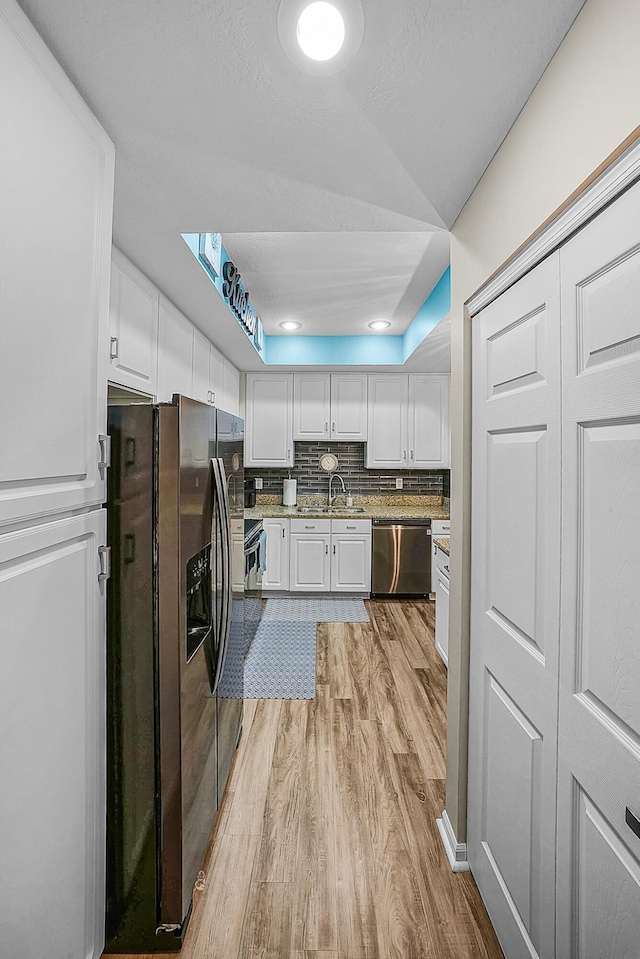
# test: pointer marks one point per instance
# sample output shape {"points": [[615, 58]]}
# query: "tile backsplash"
{"points": [[358, 480]]}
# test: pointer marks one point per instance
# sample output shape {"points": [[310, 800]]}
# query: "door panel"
{"points": [[387, 444], [310, 562], [515, 610], [52, 751], [175, 353], [311, 406], [351, 562], [349, 407], [133, 321], [269, 420], [428, 421], [55, 242], [276, 575], [598, 895]]}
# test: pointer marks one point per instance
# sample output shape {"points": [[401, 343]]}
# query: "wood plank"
{"points": [[253, 769], [267, 927], [278, 855], [338, 660], [420, 720]]}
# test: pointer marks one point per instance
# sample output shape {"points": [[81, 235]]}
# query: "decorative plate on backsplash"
{"points": [[328, 462]]}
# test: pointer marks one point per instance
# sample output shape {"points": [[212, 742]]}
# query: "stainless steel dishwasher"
{"points": [[401, 557]]}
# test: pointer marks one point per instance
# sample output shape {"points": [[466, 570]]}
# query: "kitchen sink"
{"points": [[304, 510]]}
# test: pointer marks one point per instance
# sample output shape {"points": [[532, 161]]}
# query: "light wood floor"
{"points": [[326, 846]]}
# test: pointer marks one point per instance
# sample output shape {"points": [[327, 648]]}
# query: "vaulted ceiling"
{"points": [[333, 194]]}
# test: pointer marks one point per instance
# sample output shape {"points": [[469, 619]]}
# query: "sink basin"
{"points": [[305, 510]]}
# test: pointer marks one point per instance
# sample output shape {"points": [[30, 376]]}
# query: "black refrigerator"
{"points": [[174, 608]]}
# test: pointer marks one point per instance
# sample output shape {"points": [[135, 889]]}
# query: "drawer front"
{"points": [[310, 525], [440, 527], [351, 526]]}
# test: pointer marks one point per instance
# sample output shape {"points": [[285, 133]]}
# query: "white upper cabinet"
{"points": [[175, 353], [133, 327], [56, 167], [269, 427], [216, 376], [231, 388], [408, 421], [201, 368], [387, 445], [428, 421], [311, 406], [349, 407]]}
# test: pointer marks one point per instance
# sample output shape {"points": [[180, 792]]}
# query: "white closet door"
{"points": [[515, 610], [52, 748], [56, 170], [599, 725]]}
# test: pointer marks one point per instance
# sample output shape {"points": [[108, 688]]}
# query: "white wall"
{"points": [[584, 106]]}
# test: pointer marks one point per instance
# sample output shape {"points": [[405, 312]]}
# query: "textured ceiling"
{"points": [[338, 282], [215, 129]]}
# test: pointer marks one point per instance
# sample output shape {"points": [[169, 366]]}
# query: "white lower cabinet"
{"points": [[53, 748], [318, 555], [441, 589], [310, 562], [350, 562], [276, 575]]}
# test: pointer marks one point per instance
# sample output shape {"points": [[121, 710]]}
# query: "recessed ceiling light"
{"points": [[290, 325], [320, 31], [379, 324]]}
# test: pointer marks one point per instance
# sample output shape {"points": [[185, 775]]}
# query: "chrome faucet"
{"points": [[331, 475]]}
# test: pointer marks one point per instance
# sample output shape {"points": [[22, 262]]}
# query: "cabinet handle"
{"points": [[326, 427], [411, 454], [326, 548], [334, 550], [288, 454], [311, 527], [632, 822], [404, 455], [113, 348], [283, 532], [350, 527], [333, 426]]}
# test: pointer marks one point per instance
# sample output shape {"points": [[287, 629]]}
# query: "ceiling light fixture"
{"points": [[290, 325], [379, 324], [320, 31]]}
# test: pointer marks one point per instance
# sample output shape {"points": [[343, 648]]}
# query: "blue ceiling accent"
{"points": [[373, 349]]}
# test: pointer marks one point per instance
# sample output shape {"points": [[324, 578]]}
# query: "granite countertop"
{"points": [[442, 544], [373, 507]]}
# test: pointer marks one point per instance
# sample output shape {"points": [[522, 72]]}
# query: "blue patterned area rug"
{"points": [[316, 610], [280, 664]]}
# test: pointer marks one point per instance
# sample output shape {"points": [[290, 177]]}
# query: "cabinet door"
{"points": [[216, 376], [269, 433], [53, 746], [598, 853], [311, 406], [276, 575], [442, 615], [349, 407], [133, 327], [201, 367], [428, 421], [231, 387], [175, 353], [387, 446], [56, 167], [310, 562], [237, 555], [515, 591], [350, 563]]}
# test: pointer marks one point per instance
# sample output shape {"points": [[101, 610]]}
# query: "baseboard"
{"points": [[456, 851]]}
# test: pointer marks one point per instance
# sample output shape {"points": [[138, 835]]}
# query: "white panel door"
{"points": [[201, 364], [56, 170], [350, 562], [175, 353], [133, 327], [52, 748], [269, 424], [231, 387], [311, 406], [310, 562], [387, 446], [276, 575], [216, 376], [349, 407], [428, 421], [599, 726], [515, 610]]}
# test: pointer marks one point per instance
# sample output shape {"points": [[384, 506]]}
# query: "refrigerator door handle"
{"points": [[222, 502]]}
